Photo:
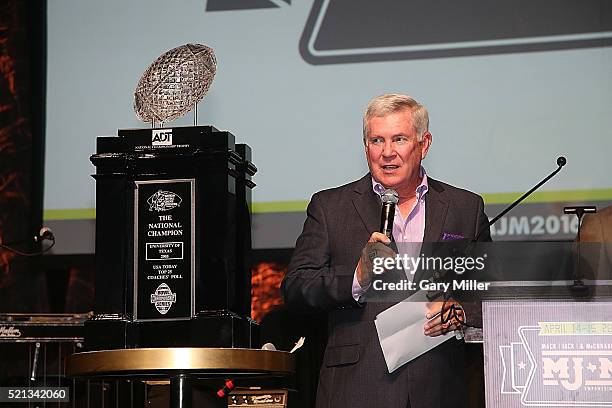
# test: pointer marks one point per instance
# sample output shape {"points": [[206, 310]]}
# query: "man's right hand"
{"points": [[375, 248]]}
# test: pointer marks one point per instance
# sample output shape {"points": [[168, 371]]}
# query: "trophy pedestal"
{"points": [[213, 329], [172, 240]]}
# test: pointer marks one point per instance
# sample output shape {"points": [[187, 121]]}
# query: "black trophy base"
{"points": [[207, 329]]}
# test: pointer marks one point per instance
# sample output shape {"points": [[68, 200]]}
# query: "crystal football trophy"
{"points": [[173, 222]]}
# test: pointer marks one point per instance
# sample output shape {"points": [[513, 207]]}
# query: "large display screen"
{"points": [[506, 97]]}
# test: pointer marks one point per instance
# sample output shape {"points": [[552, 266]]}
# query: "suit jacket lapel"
{"points": [[436, 207], [367, 204]]}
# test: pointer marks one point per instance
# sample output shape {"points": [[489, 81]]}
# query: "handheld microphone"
{"points": [[389, 200]]}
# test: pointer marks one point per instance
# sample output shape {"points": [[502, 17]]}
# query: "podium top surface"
{"points": [[166, 361]]}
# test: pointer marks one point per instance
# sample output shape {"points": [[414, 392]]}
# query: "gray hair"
{"points": [[387, 104]]}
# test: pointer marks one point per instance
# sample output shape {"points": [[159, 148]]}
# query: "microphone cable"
{"points": [[45, 234]]}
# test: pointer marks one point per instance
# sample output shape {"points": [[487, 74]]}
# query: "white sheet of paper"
{"points": [[400, 331]]}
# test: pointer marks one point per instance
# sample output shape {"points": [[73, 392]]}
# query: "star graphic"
{"points": [[522, 365], [592, 367]]}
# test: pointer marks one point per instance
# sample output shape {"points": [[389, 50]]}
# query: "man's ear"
{"points": [[425, 144]]}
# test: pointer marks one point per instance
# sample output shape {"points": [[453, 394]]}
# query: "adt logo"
{"points": [[161, 137]]}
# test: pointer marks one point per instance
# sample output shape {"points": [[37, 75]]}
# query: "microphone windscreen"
{"points": [[390, 196]]}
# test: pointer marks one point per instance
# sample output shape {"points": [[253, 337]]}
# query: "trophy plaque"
{"points": [[164, 258]]}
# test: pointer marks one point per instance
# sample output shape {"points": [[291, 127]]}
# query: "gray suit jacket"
{"points": [[320, 277]]}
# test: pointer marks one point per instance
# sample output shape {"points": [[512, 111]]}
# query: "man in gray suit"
{"points": [[331, 268]]}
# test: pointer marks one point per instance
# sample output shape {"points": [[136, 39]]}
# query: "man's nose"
{"points": [[388, 149]]}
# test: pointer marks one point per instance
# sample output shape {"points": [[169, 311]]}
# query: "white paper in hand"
{"points": [[400, 331]]}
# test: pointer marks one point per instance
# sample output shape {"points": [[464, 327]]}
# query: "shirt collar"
{"points": [[420, 190]]}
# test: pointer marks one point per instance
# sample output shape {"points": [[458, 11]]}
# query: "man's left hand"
{"points": [[436, 315]]}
